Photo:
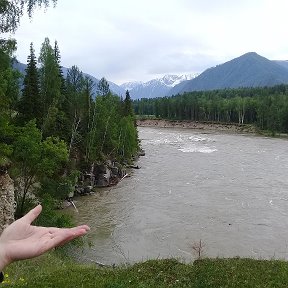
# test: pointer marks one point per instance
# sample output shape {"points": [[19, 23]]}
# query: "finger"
{"points": [[56, 230], [32, 214], [62, 236], [85, 227], [68, 233], [76, 234]]}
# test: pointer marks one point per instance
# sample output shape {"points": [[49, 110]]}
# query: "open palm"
{"points": [[21, 240]]}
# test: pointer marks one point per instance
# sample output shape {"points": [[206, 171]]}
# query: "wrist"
{"points": [[3, 259]]}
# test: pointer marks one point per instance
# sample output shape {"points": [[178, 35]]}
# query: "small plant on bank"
{"points": [[198, 249]]}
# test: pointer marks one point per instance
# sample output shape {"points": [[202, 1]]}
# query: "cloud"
{"points": [[138, 40], [178, 63]]}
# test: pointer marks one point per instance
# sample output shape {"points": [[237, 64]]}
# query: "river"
{"points": [[228, 190]]}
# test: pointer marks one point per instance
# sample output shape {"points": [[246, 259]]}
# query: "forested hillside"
{"points": [[267, 108], [56, 130]]}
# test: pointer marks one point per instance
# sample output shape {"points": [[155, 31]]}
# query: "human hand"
{"points": [[21, 240]]}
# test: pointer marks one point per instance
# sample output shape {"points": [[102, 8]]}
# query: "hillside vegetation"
{"points": [[266, 108], [56, 130]]}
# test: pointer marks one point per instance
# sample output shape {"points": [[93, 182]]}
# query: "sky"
{"points": [[137, 40]]}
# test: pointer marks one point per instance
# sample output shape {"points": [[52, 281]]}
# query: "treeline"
{"points": [[267, 107], [55, 127]]}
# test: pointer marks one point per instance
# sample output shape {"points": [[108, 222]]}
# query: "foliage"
{"points": [[111, 128], [35, 159], [267, 108], [75, 106], [103, 137], [12, 10], [9, 89], [7, 134], [9, 79], [50, 216], [128, 138], [103, 87], [30, 105], [56, 126], [51, 87], [127, 105]]}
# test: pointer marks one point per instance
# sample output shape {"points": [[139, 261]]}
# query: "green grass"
{"points": [[52, 271]]}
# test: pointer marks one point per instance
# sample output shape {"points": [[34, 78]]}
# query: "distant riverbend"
{"points": [[225, 127]]}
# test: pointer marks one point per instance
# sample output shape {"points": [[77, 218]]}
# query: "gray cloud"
{"points": [[139, 40]]}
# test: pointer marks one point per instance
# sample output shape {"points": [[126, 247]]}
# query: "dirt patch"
{"points": [[225, 127]]}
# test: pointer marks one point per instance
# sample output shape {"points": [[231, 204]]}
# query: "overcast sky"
{"points": [[132, 40]]}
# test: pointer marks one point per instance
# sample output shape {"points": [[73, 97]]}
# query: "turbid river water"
{"points": [[229, 191]]}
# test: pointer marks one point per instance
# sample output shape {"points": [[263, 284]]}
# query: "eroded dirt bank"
{"points": [[225, 127]]}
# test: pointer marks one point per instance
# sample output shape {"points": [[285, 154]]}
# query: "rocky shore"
{"points": [[223, 127], [101, 175]]}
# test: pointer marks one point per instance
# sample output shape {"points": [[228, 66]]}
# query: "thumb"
{"points": [[32, 214]]}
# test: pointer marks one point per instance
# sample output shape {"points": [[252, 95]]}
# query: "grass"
{"points": [[53, 271]]}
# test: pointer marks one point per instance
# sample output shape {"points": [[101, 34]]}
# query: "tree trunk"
{"points": [[74, 131]]}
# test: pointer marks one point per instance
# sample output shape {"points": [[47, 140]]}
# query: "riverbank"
{"points": [[51, 271], [223, 127]]}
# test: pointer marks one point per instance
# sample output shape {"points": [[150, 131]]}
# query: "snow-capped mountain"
{"points": [[155, 88], [247, 70], [131, 85]]}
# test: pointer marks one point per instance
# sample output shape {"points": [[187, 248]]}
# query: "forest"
{"points": [[53, 128], [266, 108]]}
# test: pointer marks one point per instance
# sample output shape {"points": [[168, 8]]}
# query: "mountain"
{"points": [[154, 88], [248, 70], [131, 85], [283, 63], [19, 66], [113, 87]]}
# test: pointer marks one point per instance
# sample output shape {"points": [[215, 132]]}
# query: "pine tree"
{"points": [[50, 89], [58, 60], [128, 108], [50, 82], [30, 105], [103, 88]]}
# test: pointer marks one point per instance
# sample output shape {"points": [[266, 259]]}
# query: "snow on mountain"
{"points": [[155, 88], [130, 85], [182, 78]]}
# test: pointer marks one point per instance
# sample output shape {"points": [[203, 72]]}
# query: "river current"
{"points": [[228, 190]]}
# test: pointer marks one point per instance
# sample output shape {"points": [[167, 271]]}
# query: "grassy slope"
{"points": [[50, 271]]}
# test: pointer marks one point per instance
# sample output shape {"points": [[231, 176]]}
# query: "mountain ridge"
{"points": [[247, 70], [158, 87]]}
